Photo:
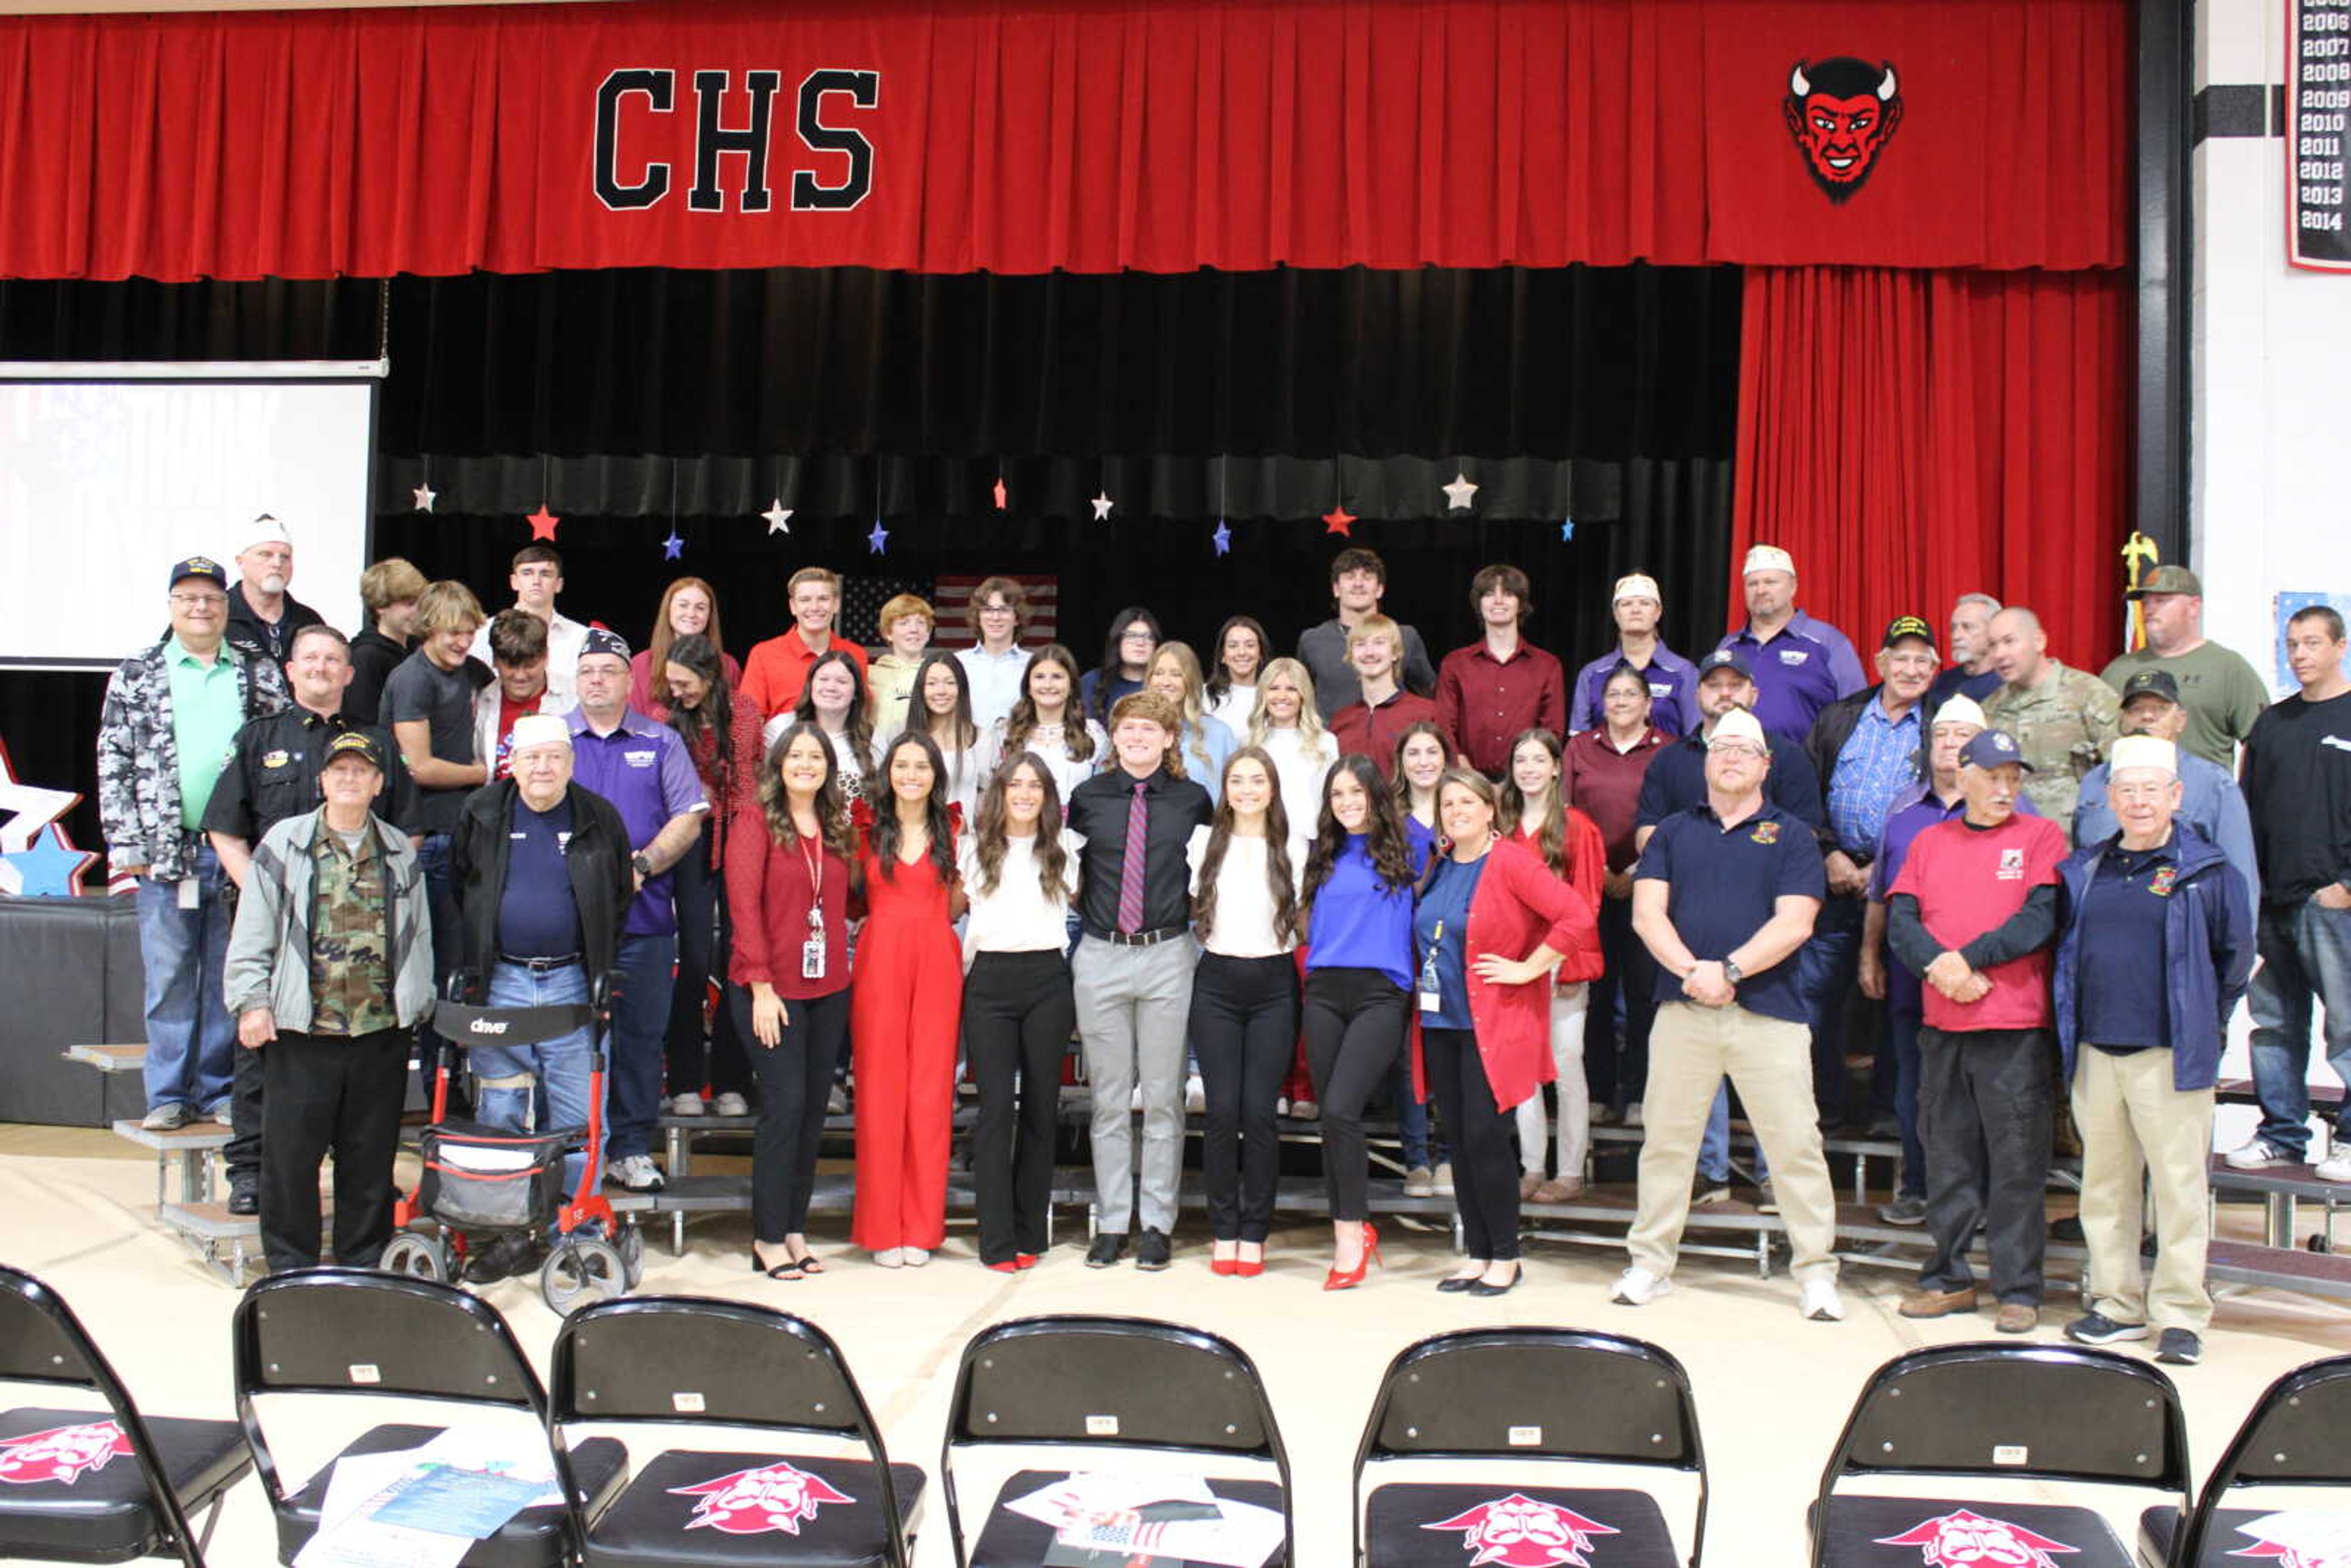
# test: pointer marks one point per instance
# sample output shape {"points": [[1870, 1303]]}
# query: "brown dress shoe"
{"points": [[1528, 1182], [2017, 1317], [1937, 1304], [1559, 1189]]}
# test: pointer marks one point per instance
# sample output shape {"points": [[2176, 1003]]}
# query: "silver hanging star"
{"points": [[426, 494], [1101, 504], [778, 516], [1458, 494]]}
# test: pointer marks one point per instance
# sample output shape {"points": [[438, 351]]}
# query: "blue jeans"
{"points": [[448, 940], [1829, 963], [1420, 1151], [556, 1070], [190, 1038], [640, 1040], [2305, 952]]}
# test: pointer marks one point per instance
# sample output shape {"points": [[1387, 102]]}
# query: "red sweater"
{"points": [[769, 893], [1518, 908], [1587, 865], [1373, 731]]}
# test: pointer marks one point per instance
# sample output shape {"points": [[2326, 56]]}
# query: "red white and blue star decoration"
{"points": [[1101, 504], [1339, 520], [1222, 538], [1567, 530], [673, 547], [425, 496], [1460, 493], [36, 859], [878, 539], [543, 523], [778, 516]]}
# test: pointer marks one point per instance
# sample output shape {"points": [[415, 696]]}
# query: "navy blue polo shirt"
{"points": [[1726, 885], [1677, 781], [538, 914], [2121, 963]]}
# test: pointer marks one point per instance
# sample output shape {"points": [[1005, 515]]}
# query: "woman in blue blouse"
{"points": [[1358, 897]]}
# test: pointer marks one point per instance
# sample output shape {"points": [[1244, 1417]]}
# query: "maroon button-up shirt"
{"points": [[1373, 731], [1604, 784], [1485, 704]]}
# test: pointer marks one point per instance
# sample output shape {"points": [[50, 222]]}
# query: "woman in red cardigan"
{"points": [[1483, 1045], [1537, 818]]}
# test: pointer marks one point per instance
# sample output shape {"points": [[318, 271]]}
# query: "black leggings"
{"points": [[1485, 1160], [1017, 1015], [1616, 1074], [1244, 1024], [1355, 1028], [793, 1080], [704, 942]]}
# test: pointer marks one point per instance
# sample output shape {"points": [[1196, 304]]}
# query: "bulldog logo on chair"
{"points": [[1966, 1539], [776, 1497], [1517, 1532], [61, 1454]]}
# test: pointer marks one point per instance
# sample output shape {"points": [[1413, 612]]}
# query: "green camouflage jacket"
{"points": [[270, 946]]}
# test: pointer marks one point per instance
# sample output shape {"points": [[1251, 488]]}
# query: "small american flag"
{"points": [[952, 598]]}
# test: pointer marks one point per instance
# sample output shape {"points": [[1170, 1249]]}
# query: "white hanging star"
{"points": [[426, 494], [1457, 495], [778, 516], [1101, 504]]}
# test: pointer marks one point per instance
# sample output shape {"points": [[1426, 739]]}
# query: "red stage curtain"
{"points": [[1085, 135], [1911, 436]]}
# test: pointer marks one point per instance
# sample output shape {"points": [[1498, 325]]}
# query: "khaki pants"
{"points": [[2133, 1123], [1771, 1063]]}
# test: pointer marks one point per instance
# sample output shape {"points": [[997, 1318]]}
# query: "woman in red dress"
{"points": [[906, 1004]]}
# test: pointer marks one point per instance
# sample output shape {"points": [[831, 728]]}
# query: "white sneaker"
{"points": [[836, 1103], [1305, 1111], [1633, 1115], [2258, 1155], [889, 1258], [1281, 1104], [1441, 1178], [913, 1256], [1195, 1095], [1420, 1182], [635, 1172], [1637, 1287], [2335, 1167], [687, 1105], [1819, 1301], [732, 1104]]}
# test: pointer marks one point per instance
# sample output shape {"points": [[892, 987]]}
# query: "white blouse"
{"points": [[1303, 770], [1234, 707], [1244, 928], [1047, 742], [1016, 916]]}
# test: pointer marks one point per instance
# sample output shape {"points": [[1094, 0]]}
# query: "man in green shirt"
{"points": [[2222, 693]]}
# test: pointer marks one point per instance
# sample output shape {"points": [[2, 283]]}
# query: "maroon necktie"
{"points": [[1130, 865]]}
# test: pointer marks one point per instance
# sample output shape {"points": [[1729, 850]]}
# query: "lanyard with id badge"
{"points": [[813, 950], [1431, 989]]}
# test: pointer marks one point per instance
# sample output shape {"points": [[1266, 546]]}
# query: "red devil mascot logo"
{"points": [[747, 1502], [2307, 1554], [1519, 1532], [61, 1454], [1965, 1540], [1841, 112]]}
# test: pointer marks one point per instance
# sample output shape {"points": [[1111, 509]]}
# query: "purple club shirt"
{"points": [[1672, 692], [643, 769], [1808, 666]]}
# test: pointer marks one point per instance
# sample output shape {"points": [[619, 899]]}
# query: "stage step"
{"points": [[2279, 1268], [2282, 1189], [109, 1058]]}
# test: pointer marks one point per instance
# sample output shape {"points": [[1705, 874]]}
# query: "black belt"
{"points": [[539, 965], [1143, 938]]}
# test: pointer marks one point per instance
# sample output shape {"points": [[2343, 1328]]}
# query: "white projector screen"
{"points": [[109, 472]]}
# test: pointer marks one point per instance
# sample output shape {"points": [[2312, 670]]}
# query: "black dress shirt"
{"points": [[1098, 811], [272, 773]]}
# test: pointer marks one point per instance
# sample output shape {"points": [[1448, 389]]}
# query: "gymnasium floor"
{"points": [[1772, 1389]]}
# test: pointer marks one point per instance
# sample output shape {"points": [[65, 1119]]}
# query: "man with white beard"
{"points": [[262, 616]]}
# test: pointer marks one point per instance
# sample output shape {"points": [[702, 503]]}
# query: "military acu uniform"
{"points": [[333, 937], [2062, 726]]}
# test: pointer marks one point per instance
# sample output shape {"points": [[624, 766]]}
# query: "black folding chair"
{"points": [[358, 1332], [2298, 1435], [1121, 1383], [1565, 1397], [80, 1485], [1982, 1411], [684, 1361]]}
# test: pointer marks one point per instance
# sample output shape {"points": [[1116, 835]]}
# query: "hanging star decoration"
{"points": [[1566, 529], [1101, 504], [1000, 493], [36, 859], [1458, 494], [878, 539], [1222, 538], [673, 547], [425, 496], [778, 516], [543, 523], [1339, 520]]}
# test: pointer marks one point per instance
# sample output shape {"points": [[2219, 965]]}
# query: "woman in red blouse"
{"points": [[722, 735], [1605, 765], [1537, 818], [791, 862]]}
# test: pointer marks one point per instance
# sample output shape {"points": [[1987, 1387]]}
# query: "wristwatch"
{"points": [[644, 867], [1730, 972]]}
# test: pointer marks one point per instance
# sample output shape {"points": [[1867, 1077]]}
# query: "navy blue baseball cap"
{"points": [[1991, 749], [201, 566], [1724, 659], [603, 640]]}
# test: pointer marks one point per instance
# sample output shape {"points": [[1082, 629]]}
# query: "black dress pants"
{"points": [[1617, 1072], [1485, 1157], [793, 1080], [241, 1153], [1355, 1022], [329, 1095], [1243, 1025], [1017, 1015], [705, 936], [1984, 1107]]}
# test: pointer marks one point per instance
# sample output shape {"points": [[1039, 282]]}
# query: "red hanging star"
{"points": [[542, 523], [999, 494], [1339, 520]]}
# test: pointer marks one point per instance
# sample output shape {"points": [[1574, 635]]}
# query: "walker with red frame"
{"points": [[481, 1181]]}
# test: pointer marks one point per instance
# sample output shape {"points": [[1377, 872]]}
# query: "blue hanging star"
{"points": [[878, 539], [48, 869], [1223, 538], [1566, 529], [672, 546]]}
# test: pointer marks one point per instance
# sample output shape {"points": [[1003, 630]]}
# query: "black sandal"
{"points": [[789, 1268]]}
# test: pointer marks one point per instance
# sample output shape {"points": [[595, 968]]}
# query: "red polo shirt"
{"points": [[1373, 731], [1484, 703], [1968, 881], [778, 669]]}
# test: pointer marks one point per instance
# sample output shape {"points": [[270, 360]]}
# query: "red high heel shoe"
{"points": [[1024, 1261], [1250, 1269], [1223, 1265], [1348, 1280]]}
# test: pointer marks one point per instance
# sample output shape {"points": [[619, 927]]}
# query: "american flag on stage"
{"points": [[861, 599], [952, 597]]}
